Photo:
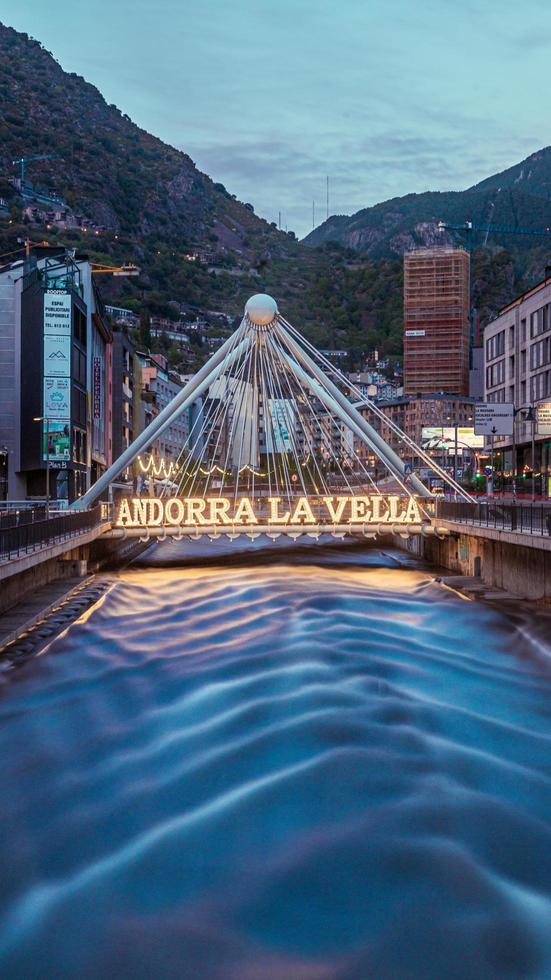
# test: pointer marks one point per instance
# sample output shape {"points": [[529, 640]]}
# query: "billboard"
{"points": [[443, 438], [57, 398], [57, 356], [57, 441], [57, 313], [280, 426]]}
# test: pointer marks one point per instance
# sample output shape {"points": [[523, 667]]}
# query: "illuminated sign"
{"points": [[444, 437], [308, 511]]}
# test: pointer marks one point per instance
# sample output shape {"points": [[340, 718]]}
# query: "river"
{"points": [[321, 766]]}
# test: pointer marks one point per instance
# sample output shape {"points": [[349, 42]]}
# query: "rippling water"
{"points": [[304, 771]]}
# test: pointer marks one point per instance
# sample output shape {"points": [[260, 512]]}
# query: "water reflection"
{"points": [[324, 768]]}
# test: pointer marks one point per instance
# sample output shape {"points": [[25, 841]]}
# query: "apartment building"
{"points": [[517, 369]]}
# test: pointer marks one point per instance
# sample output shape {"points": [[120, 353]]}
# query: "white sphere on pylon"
{"points": [[261, 309]]}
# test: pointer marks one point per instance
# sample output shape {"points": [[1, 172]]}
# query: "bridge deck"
{"points": [[274, 531]]}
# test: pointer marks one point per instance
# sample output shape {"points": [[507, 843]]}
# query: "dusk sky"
{"points": [[384, 96]]}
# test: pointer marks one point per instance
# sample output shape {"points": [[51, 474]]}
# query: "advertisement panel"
{"points": [[438, 437], [57, 398], [57, 441], [57, 312], [57, 356]]}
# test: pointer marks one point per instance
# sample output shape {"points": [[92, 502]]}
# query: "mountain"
{"points": [[124, 179], [518, 197], [139, 200], [531, 176]]}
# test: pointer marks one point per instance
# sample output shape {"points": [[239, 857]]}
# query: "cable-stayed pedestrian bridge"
{"points": [[279, 443]]}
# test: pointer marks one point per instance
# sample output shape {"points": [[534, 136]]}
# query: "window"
{"points": [[495, 374], [495, 346], [79, 326], [539, 321], [523, 331]]}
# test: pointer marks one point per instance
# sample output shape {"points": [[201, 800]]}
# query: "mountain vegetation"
{"points": [[199, 249]]}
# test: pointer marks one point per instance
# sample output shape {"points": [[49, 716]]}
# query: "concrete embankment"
{"points": [[516, 562]]}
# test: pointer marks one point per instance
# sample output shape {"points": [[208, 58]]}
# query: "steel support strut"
{"points": [[223, 358], [336, 402]]}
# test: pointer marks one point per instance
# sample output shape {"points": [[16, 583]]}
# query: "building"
{"points": [[158, 386], [517, 369], [412, 415], [124, 400], [436, 321], [54, 372]]}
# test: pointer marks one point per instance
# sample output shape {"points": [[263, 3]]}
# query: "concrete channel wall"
{"points": [[517, 562]]}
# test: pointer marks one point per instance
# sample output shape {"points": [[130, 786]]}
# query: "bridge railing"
{"points": [[529, 518], [27, 535]]}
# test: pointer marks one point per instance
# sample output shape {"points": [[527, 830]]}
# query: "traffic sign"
{"points": [[543, 418], [494, 418]]}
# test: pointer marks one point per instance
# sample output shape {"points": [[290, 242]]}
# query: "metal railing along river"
{"points": [[528, 518], [24, 535]]}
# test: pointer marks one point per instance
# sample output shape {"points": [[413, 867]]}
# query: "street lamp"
{"points": [[531, 417], [40, 418]]}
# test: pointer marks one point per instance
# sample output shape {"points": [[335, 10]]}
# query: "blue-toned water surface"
{"points": [[325, 768]]}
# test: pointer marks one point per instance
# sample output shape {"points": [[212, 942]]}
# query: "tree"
{"points": [[145, 330]]}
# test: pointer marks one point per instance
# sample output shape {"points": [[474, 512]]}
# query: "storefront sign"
{"points": [[308, 511], [96, 388]]}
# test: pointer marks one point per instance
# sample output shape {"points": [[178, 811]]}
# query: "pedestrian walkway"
{"points": [[22, 617]]}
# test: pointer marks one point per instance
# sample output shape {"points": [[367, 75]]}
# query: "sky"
{"points": [[385, 97]]}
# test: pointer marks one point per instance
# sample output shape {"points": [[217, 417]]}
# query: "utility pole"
{"points": [[490, 480], [533, 455], [327, 198], [279, 222], [313, 215]]}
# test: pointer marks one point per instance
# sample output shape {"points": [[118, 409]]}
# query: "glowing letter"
{"points": [[219, 508], [139, 511], [245, 513], [393, 503], [335, 513], [377, 503], [411, 514], [124, 517], [302, 513], [274, 517], [174, 504], [195, 509], [359, 510], [155, 512]]}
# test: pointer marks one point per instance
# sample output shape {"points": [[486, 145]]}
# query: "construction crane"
{"points": [[128, 269], [469, 228], [39, 156]]}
